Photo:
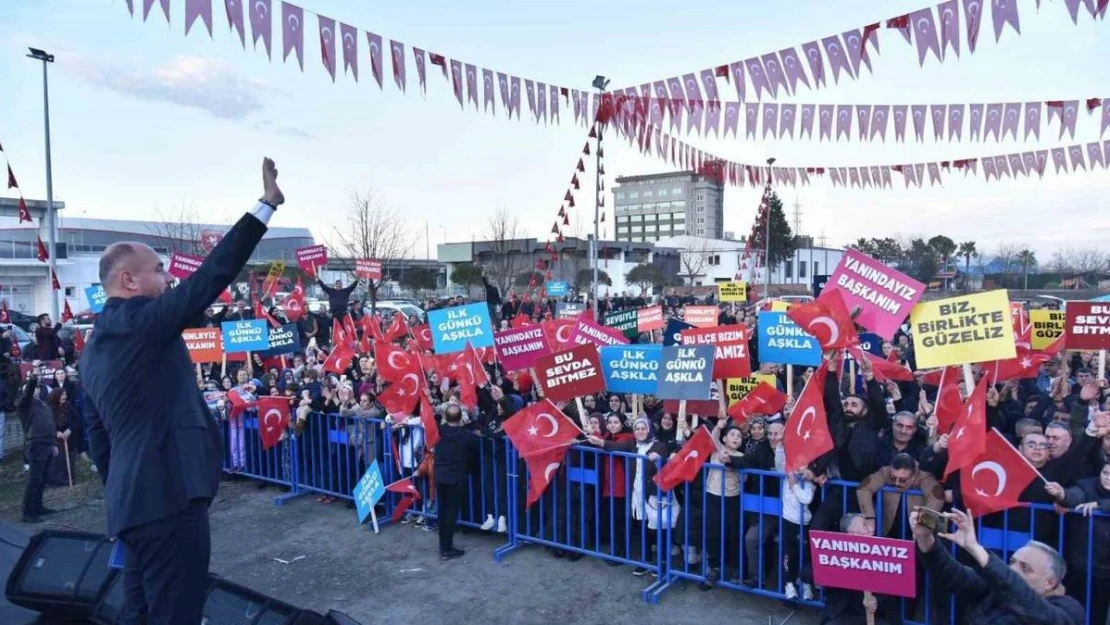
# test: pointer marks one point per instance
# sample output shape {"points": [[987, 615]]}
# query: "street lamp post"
{"points": [[767, 237], [51, 215], [600, 83]]}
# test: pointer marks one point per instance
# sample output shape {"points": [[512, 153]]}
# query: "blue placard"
{"points": [[284, 339], [632, 368], [115, 559], [453, 328], [557, 289], [368, 491], [96, 297], [687, 372], [819, 283], [252, 335], [873, 343], [672, 334], [783, 342]]}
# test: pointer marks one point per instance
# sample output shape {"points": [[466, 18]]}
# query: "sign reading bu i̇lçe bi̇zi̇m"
{"points": [[453, 327], [731, 343], [1087, 325], [687, 372], [1048, 325], [571, 373], [632, 368], [884, 295], [518, 348], [965, 329]]}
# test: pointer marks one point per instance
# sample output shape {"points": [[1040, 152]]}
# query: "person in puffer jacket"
{"points": [[1029, 591]]}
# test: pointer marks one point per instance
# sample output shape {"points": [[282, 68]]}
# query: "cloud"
{"points": [[190, 81], [283, 131]]}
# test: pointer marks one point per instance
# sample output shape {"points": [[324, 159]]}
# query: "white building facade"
{"points": [[708, 261]]}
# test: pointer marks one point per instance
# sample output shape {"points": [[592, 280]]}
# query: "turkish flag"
{"points": [[884, 369], [400, 397], [225, 297], [79, 341], [24, 213], [1026, 365], [827, 319], [238, 403], [67, 312], [520, 320], [41, 252], [339, 360], [471, 362], [807, 434], [428, 422], [273, 417], [405, 487], [12, 184], [539, 428], [350, 332], [541, 468], [260, 313], [395, 364], [293, 304], [684, 467], [422, 336], [949, 404], [764, 399], [398, 329], [995, 480], [558, 333], [339, 334], [373, 329], [5, 316], [968, 438]]}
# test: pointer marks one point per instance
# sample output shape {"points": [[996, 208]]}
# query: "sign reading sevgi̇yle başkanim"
{"points": [[632, 368], [251, 335], [625, 321], [453, 327], [687, 372]]}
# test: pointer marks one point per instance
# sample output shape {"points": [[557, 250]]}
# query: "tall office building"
{"points": [[664, 205]]}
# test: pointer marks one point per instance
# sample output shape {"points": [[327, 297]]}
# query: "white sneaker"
{"points": [[807, 592], [488, 525], [692, 557], [791, 592], [502, 525]]}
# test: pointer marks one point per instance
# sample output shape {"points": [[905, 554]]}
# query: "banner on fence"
{"points": [[1087, 325], [587, 332], [632, 368], [650, 318], [672, 334], [368, 491], [1048, 325], [284, 339], [204, 344], [783, 342], [183, 265], [701, 316], [250, 335], [518, 348], [884, 295], [627, 322], [883, 566], [957, 330], [97, 297], [731, 359], [453, 327], [738, 388], [687, 372], [732, 291], [311, 258], [571, 373], [569, 310]]}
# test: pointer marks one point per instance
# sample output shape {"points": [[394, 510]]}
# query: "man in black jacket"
{"points": [[156, 445], [39, 447], [339, 297], [453, 452]]}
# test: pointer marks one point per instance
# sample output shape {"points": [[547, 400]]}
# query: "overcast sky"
{"points": [[145, 119]]}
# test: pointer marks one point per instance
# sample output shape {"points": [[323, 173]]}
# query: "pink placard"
{"points": [[702, 316], [183, 265], [368, 269], [648, 319], [518, 348], [880, 565], [586, 332], [311, 257], [885, 295]]}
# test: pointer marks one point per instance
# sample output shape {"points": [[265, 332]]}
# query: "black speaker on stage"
{"points": [[338, 618], [232, 604], [62, 574]]}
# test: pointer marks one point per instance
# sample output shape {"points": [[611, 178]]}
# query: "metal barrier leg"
{"points": [[294, 473], [512, 515]]}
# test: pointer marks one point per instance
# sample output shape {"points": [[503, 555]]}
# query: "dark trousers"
{"points": [[165, 574], [450, 498], [39, 455]]}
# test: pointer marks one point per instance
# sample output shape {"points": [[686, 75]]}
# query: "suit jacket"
{"points": [[152, 437]]}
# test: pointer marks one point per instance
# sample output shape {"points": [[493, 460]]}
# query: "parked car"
{"points": [[21, 319], [20, 336], [389, 308]]}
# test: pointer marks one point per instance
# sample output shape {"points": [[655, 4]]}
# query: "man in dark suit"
{"points": [[154, 441]]}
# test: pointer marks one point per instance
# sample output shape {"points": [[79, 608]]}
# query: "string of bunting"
{"points": [[982, 120], [543, 99], [845, 53]]}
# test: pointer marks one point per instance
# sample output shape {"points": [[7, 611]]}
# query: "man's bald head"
{"points": [[129, 268]]}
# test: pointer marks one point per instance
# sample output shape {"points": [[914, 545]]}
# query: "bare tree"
{"points": [[693, 258], [372, 230], [1008, 255], [178, 230], [509, 253], [1080, 261]]}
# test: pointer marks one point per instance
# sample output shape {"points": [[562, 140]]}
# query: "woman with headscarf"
{"points": [[643, 497]]}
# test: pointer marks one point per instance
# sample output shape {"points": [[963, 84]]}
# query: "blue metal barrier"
{"points": [[335, 450], [276, 465]]}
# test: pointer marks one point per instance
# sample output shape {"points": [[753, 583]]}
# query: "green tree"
{"points": [[585, 277], [967, 251], [888, 250], [467, 274], [944, 248], [646, 276], [419, 279], [1028, 261], [919, 261], [783, 241]]}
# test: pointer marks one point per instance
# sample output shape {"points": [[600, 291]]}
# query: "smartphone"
{"points": [[932, 520]]}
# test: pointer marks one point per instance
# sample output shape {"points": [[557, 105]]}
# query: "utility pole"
{"points": [[600, 83], [51, 215], [767, 236]]}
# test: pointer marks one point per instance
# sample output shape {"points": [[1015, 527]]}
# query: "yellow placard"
{"points": [[738, 388], [779, 306], [732, 291], [966, 329], [1048, 325]]}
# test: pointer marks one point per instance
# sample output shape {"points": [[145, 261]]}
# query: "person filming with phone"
{"points": [[1027, 591]]}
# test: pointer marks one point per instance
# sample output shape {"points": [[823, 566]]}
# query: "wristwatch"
{"points": [[263, 201]]}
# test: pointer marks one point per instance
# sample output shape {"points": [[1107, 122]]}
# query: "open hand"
{"points": [[964, 536], [271, 193]]}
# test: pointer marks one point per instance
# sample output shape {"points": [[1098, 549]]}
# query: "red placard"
{"points": [[1087, 325], [573, 373], [586, 332], [648, 319], [702, 316], [881, 565], [731, 359], [183, 265], [700, 407], [204, 344], [45, 369], [519, 348], [311, 257], [368, 269]]}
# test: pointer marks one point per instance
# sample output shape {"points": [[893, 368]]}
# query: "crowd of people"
{"points": [[885, 434]]}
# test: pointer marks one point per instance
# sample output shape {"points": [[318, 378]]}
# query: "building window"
{"points": [[801, 269], [70, 292], [637, 228], [679, 230], [662, 192], [678, 204], [620, 195], [678, 217], [816, 268], [700, 221], [676, 191], [700, 197], [632, 195], [622, 220], [788, 268], [699, 209], [714, 260], [622, 230], [648, 193], [701, 232]]}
